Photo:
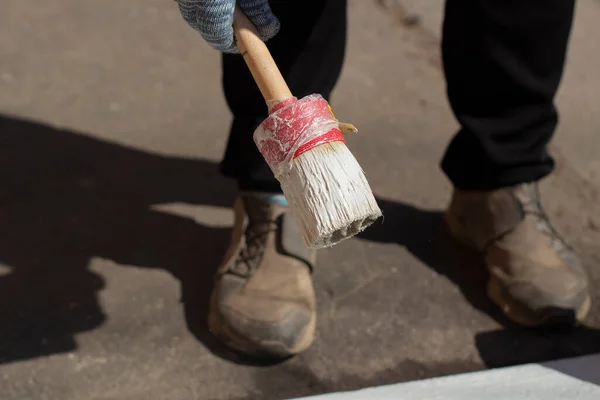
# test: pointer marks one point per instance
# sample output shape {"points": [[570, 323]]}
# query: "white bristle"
{"points": [[329, 195]]}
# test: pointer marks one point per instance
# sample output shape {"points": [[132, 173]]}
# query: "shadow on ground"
{"points": [[428, 240], [65, 198]]}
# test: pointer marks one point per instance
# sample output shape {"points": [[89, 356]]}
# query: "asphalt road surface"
{"points": [[113, 217]]}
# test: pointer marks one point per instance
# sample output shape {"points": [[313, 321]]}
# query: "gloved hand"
{"points": [[214, 19]]}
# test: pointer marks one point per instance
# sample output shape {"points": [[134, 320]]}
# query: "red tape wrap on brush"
{"points": [[295, 127]]}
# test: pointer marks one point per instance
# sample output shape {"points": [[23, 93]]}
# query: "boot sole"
{"points": [[516, 312], [265, 350]]}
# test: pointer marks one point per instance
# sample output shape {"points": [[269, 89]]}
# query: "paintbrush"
{"points": [[304, 145]]}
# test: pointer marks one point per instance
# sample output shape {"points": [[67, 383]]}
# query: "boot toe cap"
{"points": [[551, 300], [287, 335]]}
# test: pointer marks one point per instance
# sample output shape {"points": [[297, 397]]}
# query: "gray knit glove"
{"points": [[214, 19]]}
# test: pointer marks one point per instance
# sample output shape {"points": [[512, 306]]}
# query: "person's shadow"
{"points": [[424, 234], [65, 198]]}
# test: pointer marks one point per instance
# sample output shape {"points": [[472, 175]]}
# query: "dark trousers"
{"points": [[503, 61]]}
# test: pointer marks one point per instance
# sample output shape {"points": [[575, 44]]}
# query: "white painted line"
{"points": [[575, 379]]}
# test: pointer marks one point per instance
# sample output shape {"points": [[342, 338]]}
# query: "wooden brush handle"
{"points": [[259, 60]]}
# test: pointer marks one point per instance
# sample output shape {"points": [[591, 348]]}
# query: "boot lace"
{"points": [[531, 202], [251, 254]]}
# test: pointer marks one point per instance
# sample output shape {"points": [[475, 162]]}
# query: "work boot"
{"points": [[535, 277], [263, 303]]}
